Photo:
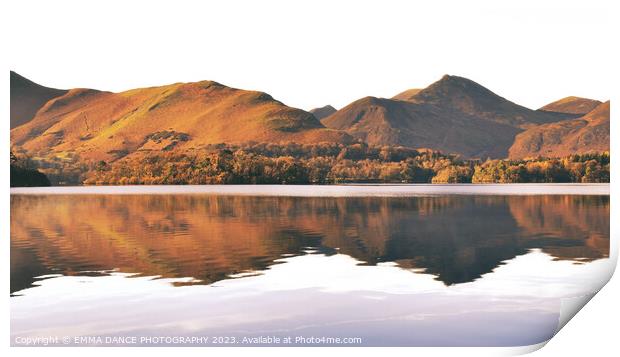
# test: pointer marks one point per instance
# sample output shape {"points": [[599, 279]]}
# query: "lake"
{"points": [[370, 265]]}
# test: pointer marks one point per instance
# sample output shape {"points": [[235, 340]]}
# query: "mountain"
{"points": [[182, 116], [572, 105], [383, 121], [453, 115], [27, 97], [466, 96], [323, 112], [589, 133], [407, 95]]}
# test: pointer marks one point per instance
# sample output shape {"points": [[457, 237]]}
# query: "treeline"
{"points": [[323, 163], [327, 163], [588, 168], [23, 173]]}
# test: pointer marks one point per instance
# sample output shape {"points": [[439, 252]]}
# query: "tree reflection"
{"points": [[455, 238]]}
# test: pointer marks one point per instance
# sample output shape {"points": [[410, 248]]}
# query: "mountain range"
{"points": [[454, 115], [102, 125]]}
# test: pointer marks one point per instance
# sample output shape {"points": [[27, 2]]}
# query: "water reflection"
{"points": [[209, 238]]}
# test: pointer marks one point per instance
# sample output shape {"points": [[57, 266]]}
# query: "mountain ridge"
{"points": [[586, 134], [27, 97], [469, 97], [572, 105], [407, 94], [453, 115], [104, 125], [323, 112]]}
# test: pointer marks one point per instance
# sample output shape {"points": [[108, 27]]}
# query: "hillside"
{"points": [[182, 116], [27, 98], [462, 95], [323, 112], [572, 105], [407, 95], [589, 133], [383, 121], [453, 115]]}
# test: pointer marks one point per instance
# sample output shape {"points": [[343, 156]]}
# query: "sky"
{"points": [[312, 53]]}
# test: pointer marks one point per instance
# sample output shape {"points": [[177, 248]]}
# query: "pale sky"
{"points": [[312, 53]]}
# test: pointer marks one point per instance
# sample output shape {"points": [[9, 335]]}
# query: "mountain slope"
{"points": [[389, 122], [453, 115], [182, 116], [323, 112], [27, 97], [407, 95], [466, 96], [589, 133], [572, 105]]}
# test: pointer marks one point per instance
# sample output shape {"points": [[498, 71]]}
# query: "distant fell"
{"points": [[572, 105], [407, 95], [586, 134], [453, 115], [27, 98], [323, 112]]}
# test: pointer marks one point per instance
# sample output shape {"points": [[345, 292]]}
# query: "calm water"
{"points": [[411, 269]]}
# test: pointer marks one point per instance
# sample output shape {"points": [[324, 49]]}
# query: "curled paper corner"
{"points": [[523, 350], [570, 307]]}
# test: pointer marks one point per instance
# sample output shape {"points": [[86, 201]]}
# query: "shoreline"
{"points": [[343, 190]]}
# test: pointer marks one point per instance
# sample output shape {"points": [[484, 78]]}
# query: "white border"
{"points": [[593, 332]]}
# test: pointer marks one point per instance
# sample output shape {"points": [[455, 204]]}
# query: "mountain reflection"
{"points": [[209, 238]]}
